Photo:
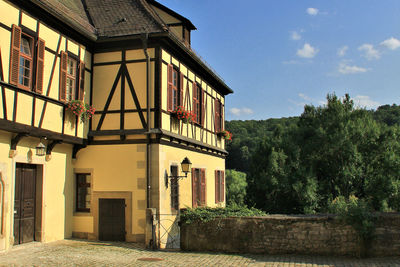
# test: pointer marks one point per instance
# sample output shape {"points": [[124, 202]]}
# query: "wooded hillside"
{"points": [[302, 164]]}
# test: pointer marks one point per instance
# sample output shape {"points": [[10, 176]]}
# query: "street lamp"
{"points": [[40, 149], [185, 166]]}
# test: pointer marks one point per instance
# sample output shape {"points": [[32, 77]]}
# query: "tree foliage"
{"points": [[300, 165], [235, 187]]}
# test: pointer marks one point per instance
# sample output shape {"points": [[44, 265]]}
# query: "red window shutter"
{"points": [[203, 110], [81, 80], [221, 115], [216, 187], [40, 66], [203, 187], [194, 189], [222, 197], [63, 76], [169, 90], [14, 57], [194, 96], [216, 116], [181, 90]]}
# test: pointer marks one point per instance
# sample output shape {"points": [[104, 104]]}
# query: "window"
{"points": [[175, 95], [25, 61], [71, 79], [174, 188], [72, 76], [198, 101], [27, 57], [219, 118], [219, 186], [198, 187], [83, 192]]}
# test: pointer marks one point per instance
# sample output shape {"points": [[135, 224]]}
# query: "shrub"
{"points": [[356, 213], [208, 214]]}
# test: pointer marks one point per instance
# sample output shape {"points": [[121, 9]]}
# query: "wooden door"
{"points": [[24, 203], [111, 219]]}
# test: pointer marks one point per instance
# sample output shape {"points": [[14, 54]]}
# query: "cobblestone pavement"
{"points": [[86, 253]]}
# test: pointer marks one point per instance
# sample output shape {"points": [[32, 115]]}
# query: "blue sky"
{"points": [[278, 55]]}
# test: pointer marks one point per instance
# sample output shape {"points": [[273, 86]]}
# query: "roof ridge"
{"points": [[153, 14]]}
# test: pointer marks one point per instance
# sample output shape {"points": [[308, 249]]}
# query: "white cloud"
{"points": [[344, 68], [307, 51], [306, 100], [295, 35], [303, 96], [241, 111], [342, 51], [369, 51], [365, 102], [312, 11], [290, 62], [391, 43]]}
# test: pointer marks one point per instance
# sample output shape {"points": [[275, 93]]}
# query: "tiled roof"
{"points": [[72, 12], [116, 18], [123, 17]]}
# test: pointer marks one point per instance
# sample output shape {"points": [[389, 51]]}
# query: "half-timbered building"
{"points": [[63, 174]]}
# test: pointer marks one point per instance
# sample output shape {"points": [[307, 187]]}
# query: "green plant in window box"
{"points": [[227, 135], [80, 109], [183, 115]]}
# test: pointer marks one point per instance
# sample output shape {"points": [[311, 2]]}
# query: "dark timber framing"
{"points": [[123, 76]]}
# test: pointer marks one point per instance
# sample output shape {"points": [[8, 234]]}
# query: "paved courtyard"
{"points": [[84, 253]]}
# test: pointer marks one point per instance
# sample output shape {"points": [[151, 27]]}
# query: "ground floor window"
{"points": [[198, 187], [83, 192], [174, 188]]}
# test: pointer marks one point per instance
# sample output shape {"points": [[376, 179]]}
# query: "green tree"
{"points": [[236, 185], [334, 150]]}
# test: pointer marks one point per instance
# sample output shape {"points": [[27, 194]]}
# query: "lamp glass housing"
{"points": [[40, 149], [186, 165]]}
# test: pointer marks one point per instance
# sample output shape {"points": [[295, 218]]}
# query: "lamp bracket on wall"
{"points": [[186, 166], [16, 139], [51, 145], [14, 142]]}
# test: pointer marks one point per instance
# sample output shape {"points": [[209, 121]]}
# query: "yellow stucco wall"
{"points": [[57, 188], [168, 156], [52, 114], [207, 134], [173, 156], [115, 168]]}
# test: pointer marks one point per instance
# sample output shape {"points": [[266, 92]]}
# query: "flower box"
{"points": [[183, 115], [80, 109], [227, 135]]}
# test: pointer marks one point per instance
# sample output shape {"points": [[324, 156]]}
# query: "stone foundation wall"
{"points": [[279, 234]]}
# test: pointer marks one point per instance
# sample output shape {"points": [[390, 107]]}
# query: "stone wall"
{"points": [[279, 234]]}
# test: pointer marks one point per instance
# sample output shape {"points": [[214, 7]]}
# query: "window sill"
{"points": [[82, 214]]}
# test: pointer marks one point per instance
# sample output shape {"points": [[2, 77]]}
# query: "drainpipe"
{"points": [[145, 38]]}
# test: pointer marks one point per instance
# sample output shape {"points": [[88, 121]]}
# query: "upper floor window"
{"points": [[72, 77], [198, 187], [175, 88], [198, 103], [25, 61], [27, 57], [219, 116], [219, 186]]}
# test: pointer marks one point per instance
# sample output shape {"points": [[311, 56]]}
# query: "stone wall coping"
{"points": [[307, 217]]}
